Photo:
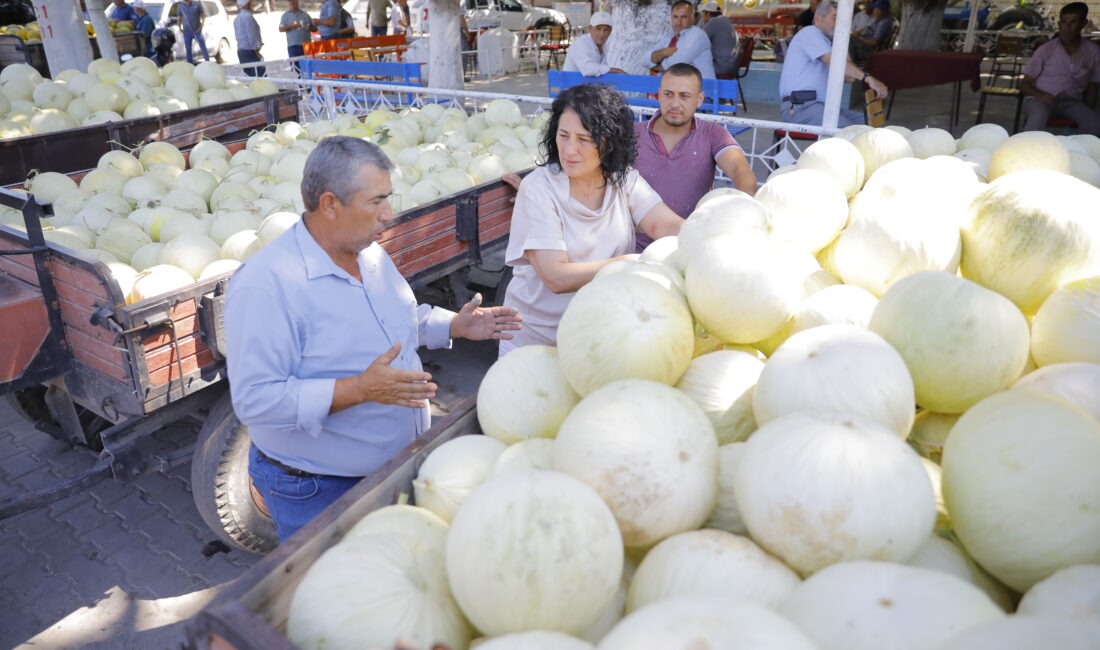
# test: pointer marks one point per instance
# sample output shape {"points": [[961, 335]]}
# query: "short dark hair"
{"points": [[605, 114], [684, 70], [1079, 8], [333, 166], [682, 2]]}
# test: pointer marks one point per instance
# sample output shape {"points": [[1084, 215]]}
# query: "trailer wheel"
{"points": [[222, 56], [220, 485], [30, 404]]}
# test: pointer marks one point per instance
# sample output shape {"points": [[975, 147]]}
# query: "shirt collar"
{"points": [[316, 260], [653, 120]]}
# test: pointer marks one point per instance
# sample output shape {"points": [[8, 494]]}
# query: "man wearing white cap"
{"points": [[145, 25], [587, 55], [723, 40], [249, 40]]}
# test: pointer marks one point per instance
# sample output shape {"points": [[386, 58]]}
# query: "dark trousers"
{"points": [[252, 56], [293, 51]]}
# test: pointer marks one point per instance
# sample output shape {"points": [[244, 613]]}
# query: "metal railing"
{"points": [[327, 98]]}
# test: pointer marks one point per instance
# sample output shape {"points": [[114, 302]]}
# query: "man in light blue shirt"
{"points": [[308, 313], [689, 44], [249, 41], [805, 74], [328, 23]]}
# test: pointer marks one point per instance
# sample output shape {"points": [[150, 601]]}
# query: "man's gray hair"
{"points": [[333, 166], [825, 7]]}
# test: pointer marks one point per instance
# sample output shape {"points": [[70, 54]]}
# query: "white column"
{"points": [[63, 36], [971, 27], [444, 60], [835, 86], [97, 14]]}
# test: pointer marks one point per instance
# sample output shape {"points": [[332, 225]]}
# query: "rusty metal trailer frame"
{"points": [[79, 149], [251, 613], [166, 350]]}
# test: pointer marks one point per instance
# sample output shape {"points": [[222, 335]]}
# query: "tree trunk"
{"points": [[921, 23], [444, 45], [637, 28], [64, 39], [103, 37]]}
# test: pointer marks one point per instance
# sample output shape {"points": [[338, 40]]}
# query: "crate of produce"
{"points": [[78, 149]]}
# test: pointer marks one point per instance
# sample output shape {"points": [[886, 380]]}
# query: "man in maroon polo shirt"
{"points": [[1060, 79], [677, 154]]}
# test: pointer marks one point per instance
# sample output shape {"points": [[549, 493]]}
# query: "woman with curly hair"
{"points": [[579, 210]]}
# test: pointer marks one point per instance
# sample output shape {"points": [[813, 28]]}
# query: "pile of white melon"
{"points": [[858, 411], [109, 92], [161, 220]]}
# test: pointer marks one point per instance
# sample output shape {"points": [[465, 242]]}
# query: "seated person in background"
{"points": [[587, 55], [862, 17], [806, 18], [805, 73], [1060, 78], [873, 37], [689, 44], [677, 153], [578, 211], [723, 40]]}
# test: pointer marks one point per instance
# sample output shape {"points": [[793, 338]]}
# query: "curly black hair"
{"points": [[605, 114]]}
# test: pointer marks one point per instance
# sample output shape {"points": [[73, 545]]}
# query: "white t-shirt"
{"points": [[586, 58], [546, 217]]}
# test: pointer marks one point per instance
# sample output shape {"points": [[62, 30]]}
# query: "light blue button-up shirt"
{"points": [[295, 323], [247, 31], [330, 9]]}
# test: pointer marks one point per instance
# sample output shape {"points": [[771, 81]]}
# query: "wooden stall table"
{"points": [[901, 69]]}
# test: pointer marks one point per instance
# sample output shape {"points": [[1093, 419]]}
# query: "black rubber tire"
{"points": [[543, 23], [1009, 18], [220, 483], [30, 404]]}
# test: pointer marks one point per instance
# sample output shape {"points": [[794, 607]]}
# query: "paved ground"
{"points": [[120, 565]]}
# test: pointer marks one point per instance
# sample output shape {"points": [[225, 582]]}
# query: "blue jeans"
{"points": [[194, 36], [378, 30], [294, 500]]}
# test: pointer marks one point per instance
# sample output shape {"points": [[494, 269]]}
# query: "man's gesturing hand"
{"points": [[477, 323], [385, 384]]}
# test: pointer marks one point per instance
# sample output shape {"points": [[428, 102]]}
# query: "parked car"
{"points": [[510, 14], [217, 29]]}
